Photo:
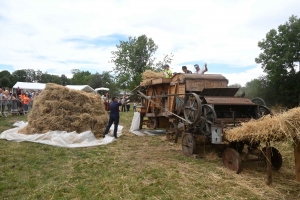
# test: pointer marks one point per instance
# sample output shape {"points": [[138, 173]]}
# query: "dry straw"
{"points": [[64, 109], [279, 127], [148, 75]]}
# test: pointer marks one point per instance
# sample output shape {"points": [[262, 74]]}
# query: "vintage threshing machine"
{"points": [[204, 106]]}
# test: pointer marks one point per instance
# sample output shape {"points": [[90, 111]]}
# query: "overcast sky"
{"points": [[56, 36]]}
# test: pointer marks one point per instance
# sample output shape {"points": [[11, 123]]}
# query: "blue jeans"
{"points": [[112, 120]]}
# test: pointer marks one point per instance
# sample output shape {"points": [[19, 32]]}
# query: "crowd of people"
{"points": [[16, 102], [198, 70]]}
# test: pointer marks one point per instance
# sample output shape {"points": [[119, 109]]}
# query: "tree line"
{"points": [[279, 58]]}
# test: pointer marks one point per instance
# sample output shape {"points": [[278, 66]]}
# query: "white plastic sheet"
{"points": [[60, 138], [142, 132]]}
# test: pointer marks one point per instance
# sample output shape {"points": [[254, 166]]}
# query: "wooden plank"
{"points": [[297, 159], [160, 81]]}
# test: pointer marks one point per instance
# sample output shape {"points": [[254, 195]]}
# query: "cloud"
{"points": [[60, 35]]}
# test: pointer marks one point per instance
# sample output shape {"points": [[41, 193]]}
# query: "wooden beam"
{"points": [[269, 164], [297, 159]]}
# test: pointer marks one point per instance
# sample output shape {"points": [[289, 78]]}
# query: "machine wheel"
{"points": [[172, 132], [232, 160], [238, 146], [259, 101], [188, 144], [208, 118], [154, 122], [276, 158], [192, 108]]}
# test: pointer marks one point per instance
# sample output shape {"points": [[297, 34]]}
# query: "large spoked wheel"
{"points": [[276, 158], [188, 144], [259, 101], [232, 160], [208, 117], [172, 132], [192, 108], [263, 111]]}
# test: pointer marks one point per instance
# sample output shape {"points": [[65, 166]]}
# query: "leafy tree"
{"points": [[64, 80], [6, 79], [19, 75], [133, 57], [281, 52], [5, 82], [49, 78], [80, 77]]}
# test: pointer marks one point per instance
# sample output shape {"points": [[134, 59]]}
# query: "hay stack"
{"points": [[149, 75], [64, 109], [280, 127]]}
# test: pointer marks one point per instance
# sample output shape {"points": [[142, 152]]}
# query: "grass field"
{"points": [[133, 167]]}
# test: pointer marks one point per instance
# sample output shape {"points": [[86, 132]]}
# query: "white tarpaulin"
{"points": [[29, 86], [141, 132], [59, 138]]}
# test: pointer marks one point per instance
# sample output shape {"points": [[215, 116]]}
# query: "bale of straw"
{"points": [[64, 109], [280, 127], [149, 75]]}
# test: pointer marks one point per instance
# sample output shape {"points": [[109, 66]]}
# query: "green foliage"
{"points": [[49, 78], [6, 79], [80, 77], [133, 57], [281, 50]]}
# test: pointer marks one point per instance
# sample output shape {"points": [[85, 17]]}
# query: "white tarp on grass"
{"points": [[60, 138], [142, 132]]}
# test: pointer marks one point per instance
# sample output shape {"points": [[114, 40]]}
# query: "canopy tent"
{"points": [[85, 88], [29, 86], [101, 89]]}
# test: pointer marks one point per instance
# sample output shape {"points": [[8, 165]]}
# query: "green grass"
{"points": [[133, 167]]}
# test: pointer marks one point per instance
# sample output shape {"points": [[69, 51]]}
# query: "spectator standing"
{"points": [[123, 109], [114, 116], [127, 106], [202, 70], [2, 100]]}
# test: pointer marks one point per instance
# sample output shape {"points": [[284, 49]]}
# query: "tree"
{"points": [[6, 79], [19, 75], [80, 77], [281, 52], [49, 78], [133, 57]]}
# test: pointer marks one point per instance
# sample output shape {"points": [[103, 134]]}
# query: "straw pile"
{"points": [[280, 127], [64, 109], [148, 75]]}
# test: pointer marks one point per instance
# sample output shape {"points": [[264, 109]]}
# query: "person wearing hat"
{"points": [[185, 70], [200, 71], [167, 72]]}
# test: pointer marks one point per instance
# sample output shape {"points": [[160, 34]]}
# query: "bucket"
{"points": [[216, 135]]}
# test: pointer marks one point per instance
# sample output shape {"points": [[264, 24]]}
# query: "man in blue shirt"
{"points": [[114, 116]]}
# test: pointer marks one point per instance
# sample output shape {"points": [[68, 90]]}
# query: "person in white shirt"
{"points": [[200, 71]]}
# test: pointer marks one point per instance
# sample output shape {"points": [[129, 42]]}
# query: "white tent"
{"points": [[85, 88], [102, 88], [29, 86]]}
